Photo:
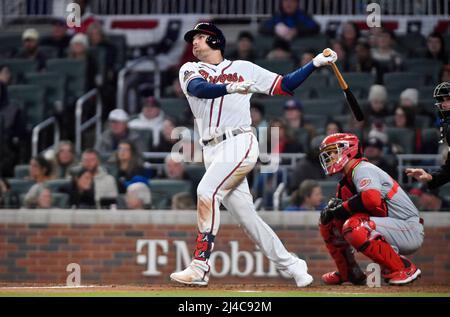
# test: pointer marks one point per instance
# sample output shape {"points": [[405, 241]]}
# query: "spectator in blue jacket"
{"points": [[290, 22]]}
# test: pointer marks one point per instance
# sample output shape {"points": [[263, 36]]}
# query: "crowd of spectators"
{"points": [[115, 173]]}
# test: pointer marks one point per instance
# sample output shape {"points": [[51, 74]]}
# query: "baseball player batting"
{"points": [[371, 213], [219, 91]]}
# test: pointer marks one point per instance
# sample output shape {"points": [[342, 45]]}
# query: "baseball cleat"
{"points": [[194, 274], [356, 277], [405, 276], [299, 271], [332, 278]]}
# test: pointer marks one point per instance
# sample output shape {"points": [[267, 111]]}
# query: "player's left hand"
{"points": [[320, 60], [240, 87], [334, 209]]}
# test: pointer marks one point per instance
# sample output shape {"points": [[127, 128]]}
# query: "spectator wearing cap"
{"points": [[138, 196], [373, 151], [59, 39], [293, 113], [378, 103], [117, 131], [430, 200], [129, 165], [30, 48], [244, 50], [290, 22], [150, 118], [409, 98], [79, 50]]}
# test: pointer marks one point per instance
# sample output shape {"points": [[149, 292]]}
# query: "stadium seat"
{"points": [[409, 43], [20, 66], [277, 66], [173, 107], [49, 51], [317, 120], [120, 43], [420, 121], [328, 189], [21, 171], [359, 82], [330, 93], [402, 136], [55, 89], [315, 82], [60, 200], [302, 137], [195, 171], [263, 44], [11, 43], [31, 99], [402, 80], [329, 107], [317, 42], [75, 72], [147, 138], [55, 185], [427, 67], [304, 93], [20, 186], [164, 189], [273, 107], [430, 141]]}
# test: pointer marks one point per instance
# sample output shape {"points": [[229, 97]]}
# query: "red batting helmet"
{"points": [[336, 150]]}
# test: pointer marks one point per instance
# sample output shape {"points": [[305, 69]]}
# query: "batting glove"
{"points": [[240, 87], [321, 60]]}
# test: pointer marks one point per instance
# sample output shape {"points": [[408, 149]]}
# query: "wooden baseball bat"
{"points": [[351, 100]]}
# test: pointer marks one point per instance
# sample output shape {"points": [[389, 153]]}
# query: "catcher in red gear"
{"points": [[370, 214]]}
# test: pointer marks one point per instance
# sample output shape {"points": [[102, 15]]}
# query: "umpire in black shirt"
{"points": [[442, 176]]}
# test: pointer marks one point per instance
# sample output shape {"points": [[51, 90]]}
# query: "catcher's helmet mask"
{"points": [[215, 40], [442, 93]]}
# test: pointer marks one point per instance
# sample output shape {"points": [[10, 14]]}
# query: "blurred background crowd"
{"points": [[53, 78]]}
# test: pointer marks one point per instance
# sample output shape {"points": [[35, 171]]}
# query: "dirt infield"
{"points": [[220, 290]]}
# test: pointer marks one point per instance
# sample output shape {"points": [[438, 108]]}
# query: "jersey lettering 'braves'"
{"points": [[232, 110]]}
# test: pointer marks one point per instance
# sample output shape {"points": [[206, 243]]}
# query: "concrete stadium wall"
{"points": [[142, 247]]}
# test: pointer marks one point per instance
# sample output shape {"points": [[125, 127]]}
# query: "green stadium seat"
{"points": [[420, 121], [409, 43], [164, 189], [329, 107], [315, 82], [402, 136], [21, 171], [195, 171], [302, 137], [263, 44], [60, 200], [20, 186], [31, 99], [328, 189], [56, 185], [428, 67], [317, 43], [55, 89], [401, 80], [147, 138], [49, 51], [277, 66], [20, 66], [317, 120], [11, 43], [360, 82], [304, 93], [173, 107], [75, 72], [330, 93], [273, 106]]}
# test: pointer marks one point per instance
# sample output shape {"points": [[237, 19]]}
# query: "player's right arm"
{"points": [[193, 83]]}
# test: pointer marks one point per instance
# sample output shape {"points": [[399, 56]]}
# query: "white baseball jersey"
{"points": [[214, 116]]}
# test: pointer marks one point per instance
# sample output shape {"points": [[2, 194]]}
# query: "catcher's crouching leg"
{"points": [[358, 231], [342, 254]]}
